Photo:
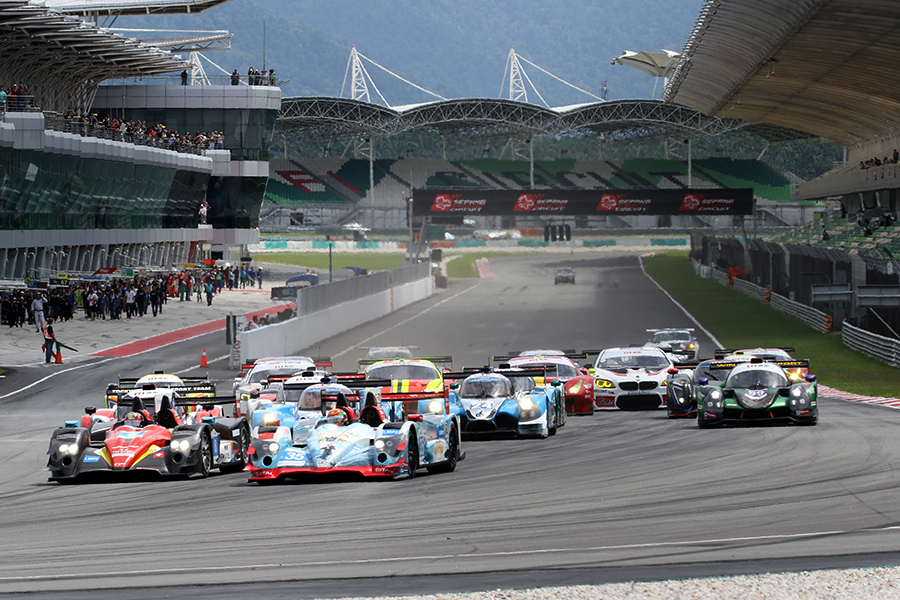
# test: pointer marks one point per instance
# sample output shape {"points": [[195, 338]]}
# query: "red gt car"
{"points": [[579, 384]]}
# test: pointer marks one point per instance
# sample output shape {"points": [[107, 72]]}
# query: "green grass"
{"points": [[373, 261], [739, 321]]}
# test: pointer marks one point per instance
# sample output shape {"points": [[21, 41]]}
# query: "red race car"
{"points": [[579, 384]]}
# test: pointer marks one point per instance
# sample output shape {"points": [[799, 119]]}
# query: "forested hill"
{"points": [[455, 48]]}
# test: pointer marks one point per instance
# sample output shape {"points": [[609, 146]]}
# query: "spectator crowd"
{"points": [[134, 131], [122, 298], [15, 98]]}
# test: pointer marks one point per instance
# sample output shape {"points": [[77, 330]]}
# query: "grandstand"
{"points": [[341, 188], [93, 175]]}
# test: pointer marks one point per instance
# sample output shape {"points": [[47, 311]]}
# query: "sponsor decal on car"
{"points": [[91, 458]]}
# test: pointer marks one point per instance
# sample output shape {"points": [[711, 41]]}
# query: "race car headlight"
{"points": [[576, 387], [180, 445], [715, 395], [796, 393], [270, 419], [526, 404], [379, 445], [68, 448], [691, 346], [436, 407], [714, 400], [273, 447], [604, 383]]}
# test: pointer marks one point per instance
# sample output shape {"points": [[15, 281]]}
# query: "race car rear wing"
{"points": [[570, 354], [437, 360], [723, 352], [548, 371], [784, 364], [114, 392], [670, 329], [319, 361]]}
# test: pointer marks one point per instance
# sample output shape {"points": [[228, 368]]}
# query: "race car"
{"points": [[770, 354], [371, 446], [683, 382], [508, 401], [679, 342], [631, 378], [259, 374], [302, 400], [415, 382], [377, 354], [758, 391], [578, 382], [168, 441], [153, 388]]}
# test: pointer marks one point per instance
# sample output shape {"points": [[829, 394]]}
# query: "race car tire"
{"points": [[453, 454], [412, 454], [704, 424], [551, 430], [810, 423], [240, 461], [205, 463]]}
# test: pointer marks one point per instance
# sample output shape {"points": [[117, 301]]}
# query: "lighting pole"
{"points": [[330, 266]]}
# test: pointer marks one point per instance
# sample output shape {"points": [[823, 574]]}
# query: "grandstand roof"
{"points": [[54, 54], [128, 7], [622, 118], [820, 66]]}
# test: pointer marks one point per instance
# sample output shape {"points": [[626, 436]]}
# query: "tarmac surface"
{"points": [[178, 321]]}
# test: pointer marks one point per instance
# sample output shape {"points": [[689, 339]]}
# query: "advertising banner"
{"points": [[459, 203]]}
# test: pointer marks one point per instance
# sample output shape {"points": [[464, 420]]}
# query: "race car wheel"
{"points": [[551, 428], [704, 424], [452, 454], [205, 463], [412, 454], [240, 461]]}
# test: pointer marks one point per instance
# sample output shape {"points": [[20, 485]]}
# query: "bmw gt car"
{"points": [[631, 378]]}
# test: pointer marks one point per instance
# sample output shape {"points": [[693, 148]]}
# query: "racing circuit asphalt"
{"points": [[614, 497]]}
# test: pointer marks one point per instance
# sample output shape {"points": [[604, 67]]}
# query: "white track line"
{"points": [[676, 303]]}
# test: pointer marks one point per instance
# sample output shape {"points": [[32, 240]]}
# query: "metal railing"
{"points": [[206, 80], [885, 349], [812, 317], [18, 103], [56, 122], [751, 289]]}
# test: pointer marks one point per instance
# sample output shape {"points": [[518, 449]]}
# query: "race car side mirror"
{"points": [[454, 386], [592, 370], [89, 410], [556, 383], [672, 370], [810, 378], [703, 380], [254, 394]]}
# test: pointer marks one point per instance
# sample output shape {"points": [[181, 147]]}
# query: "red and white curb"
{"points": [[828, 392]]}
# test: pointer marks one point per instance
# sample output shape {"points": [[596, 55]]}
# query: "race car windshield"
{"points": [[522, 384], [422, 372], [311, 399], [257, 376], [562, 371], [756, 379], [672, 336], [633, 361], [486, 388]]}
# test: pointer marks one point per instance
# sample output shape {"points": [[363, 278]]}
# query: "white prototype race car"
{"points": [[631, 378]]}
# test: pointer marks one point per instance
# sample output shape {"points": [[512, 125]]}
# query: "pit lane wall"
{"points": [[353, 306]]}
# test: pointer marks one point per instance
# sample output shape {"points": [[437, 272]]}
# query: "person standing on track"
{"points": [[37, 307], [49, 340]]}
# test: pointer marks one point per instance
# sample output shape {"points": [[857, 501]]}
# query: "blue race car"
{"points": [[508, 400], [373, 445]]}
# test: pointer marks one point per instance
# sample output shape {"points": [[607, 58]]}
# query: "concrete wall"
{"points": [[289, 337], [240, 97]]}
